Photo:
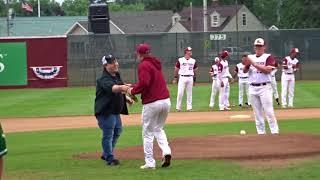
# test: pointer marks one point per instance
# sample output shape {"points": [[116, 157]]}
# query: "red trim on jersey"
{"points": [[195, 65], [270, 61], [285, 63], [220, 67], [236, 69], [276, 63], [178, 64]]}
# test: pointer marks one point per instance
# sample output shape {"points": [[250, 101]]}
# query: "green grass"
{"points": [[48, 155], [79, 101]]}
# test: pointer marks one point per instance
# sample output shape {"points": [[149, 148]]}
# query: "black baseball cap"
{"points": [[108, 59]]}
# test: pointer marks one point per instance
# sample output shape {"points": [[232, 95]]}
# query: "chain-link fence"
{"points": [[85, 52]]}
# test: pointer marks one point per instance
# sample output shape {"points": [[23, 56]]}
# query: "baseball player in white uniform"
{"points": [[185, 67], [274, 83], [224, 103], [259, 66], [290, 65], [215, 73], [243, 82]]}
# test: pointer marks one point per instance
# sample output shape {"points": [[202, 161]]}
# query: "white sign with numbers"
{"points": [[218, 37]]}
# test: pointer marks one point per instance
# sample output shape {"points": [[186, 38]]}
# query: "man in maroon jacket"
{"points": [[156, 105]]}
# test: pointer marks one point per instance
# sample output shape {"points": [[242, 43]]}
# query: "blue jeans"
{"points": [[111, 127]]}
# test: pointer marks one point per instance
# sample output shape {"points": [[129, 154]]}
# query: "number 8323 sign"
{"points": [[218, 37]]}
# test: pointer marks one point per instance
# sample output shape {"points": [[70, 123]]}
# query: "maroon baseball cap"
{"points": [[143, 49], [294, 50], [224, 54], [259, 42], [188, 49]]}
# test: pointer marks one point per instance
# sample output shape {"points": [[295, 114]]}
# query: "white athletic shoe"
{"points": [[147, 167], [284, 106]]}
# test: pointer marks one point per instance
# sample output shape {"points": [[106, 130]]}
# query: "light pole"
{"points": [[8, 23], [205, 20], [237, 29]]}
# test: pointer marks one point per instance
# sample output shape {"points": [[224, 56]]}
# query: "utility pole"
{"points": [[237, 29], [205, 20], [8, 23], [191, 28], [39, 8], [278, 11]]}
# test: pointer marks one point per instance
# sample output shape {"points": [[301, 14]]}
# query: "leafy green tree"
{"points": [[174, 5], [75, 7], [130, 7], [300, 14], [2, 9]]}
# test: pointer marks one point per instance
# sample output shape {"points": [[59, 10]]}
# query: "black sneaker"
{"points": [[102, 157], [114, 162], [166, 161], [240, 105], [277, 100]]}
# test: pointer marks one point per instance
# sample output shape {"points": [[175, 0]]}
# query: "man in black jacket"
{"points": [[110, 102]]}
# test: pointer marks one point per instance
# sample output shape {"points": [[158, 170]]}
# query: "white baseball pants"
{"points": [[287, 87], [224, 94], [261, 99], [243, 87], [185, 83], [214, 89], [274, 87], [154, 116]]}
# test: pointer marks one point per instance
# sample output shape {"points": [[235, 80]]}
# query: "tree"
{"points": [[3, 9], [75, 7], [300, 14]]}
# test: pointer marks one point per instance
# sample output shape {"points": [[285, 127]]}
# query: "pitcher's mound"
{"points": [[244, 148]]}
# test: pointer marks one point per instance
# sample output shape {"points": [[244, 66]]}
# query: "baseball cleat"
{"points": [[103, 157], [166, 161], [114, 162], [147, 167]]}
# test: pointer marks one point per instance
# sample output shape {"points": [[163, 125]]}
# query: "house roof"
{"points": [[226, 12], [142, 21], [128, 22]]}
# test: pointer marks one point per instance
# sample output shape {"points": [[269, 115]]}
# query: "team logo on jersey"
{"points": [[46, 72]]}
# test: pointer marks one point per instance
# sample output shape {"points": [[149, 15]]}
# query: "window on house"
{"points": [[244, 19], [215, 21]]}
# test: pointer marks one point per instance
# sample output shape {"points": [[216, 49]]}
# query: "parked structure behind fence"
{"points": [[85, 52]]}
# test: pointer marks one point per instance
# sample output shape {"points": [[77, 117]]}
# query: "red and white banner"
{"points": [[46, 72]]}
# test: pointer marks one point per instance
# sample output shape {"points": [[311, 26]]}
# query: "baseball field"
{"points": [[51, 134]]}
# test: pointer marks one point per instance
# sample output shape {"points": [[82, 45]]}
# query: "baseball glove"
{"points": [[131, 98]]}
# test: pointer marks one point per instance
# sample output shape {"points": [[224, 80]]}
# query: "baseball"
{"points": [[242, 132]]}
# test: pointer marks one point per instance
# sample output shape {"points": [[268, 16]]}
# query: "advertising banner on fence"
{"points": [[13, 64]]}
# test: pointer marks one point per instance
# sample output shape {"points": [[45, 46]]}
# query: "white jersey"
{"points": [[225, 69], [216, 70], [243, 77], [289, 63], [239, 69], [255, 76], [186, 66]]}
